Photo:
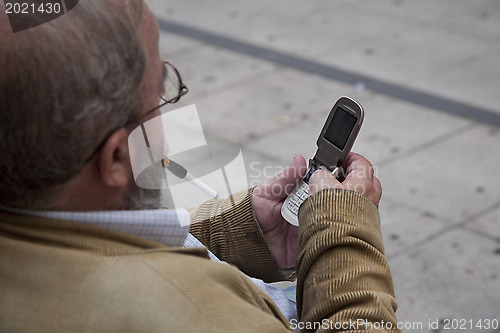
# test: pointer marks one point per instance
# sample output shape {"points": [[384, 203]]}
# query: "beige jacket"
{"points": [[59, 276]]}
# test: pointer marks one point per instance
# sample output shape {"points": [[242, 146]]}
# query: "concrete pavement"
{"points": [[263, 75]]}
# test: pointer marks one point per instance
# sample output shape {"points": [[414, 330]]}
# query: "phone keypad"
{"points": [[298, 198], [298, 195]]}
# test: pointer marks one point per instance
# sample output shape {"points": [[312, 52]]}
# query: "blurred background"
{"points": [[264, 75]]}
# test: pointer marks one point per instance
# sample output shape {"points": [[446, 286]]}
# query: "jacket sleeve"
{"points": [[343, 276], [229, 229]]}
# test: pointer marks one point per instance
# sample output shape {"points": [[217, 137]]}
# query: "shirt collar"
{"points": [[166, 226]]}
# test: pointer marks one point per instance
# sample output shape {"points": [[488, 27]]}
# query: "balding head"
{"points": [[64, 85]]}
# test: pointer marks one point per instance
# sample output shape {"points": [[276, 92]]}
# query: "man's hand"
{"points": [[360, 178], [281, 236]]}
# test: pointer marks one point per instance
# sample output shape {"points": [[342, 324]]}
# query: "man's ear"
{"points": [[114, 164]]}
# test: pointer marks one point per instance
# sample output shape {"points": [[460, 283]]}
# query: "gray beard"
{"points": [[139, 198], [143, 193]]}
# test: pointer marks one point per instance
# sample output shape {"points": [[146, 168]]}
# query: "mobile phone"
{"points": [[334, 143]]}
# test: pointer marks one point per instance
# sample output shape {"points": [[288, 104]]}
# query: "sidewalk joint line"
{"points": [[479, 114]]}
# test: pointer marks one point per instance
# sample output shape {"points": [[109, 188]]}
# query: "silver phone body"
{"points": [[334, 143]]}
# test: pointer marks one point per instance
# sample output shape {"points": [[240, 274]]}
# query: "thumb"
{"points": [[280, 186]]}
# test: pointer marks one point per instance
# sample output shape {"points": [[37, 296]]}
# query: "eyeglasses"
{"points": [[174, 89]]}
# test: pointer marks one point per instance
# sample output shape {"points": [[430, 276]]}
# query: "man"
{"points": [[71, 258]]}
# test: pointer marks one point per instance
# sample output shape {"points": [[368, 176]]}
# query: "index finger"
{"points": [[280, 186]]}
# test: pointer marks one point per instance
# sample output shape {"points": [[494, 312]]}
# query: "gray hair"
{"points": [[64, 86]]}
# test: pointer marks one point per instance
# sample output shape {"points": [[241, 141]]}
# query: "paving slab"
{"points": [[453, 179], [399, 41], [208, 71], [470, 18], [404, 54], [487, 225], [461, 82], [262, 22], [455, 276], [405, 228], [394, 129], [391, 130], [172, 46], [263, 104]]}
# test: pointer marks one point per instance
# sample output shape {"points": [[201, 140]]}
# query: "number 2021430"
{"points": [[26, 8], [463, 324]]}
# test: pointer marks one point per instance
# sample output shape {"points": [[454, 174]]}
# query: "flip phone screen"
{"points": [[340, 128]]}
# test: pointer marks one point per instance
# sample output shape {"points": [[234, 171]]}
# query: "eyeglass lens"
{"points": [[172, 83]]}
